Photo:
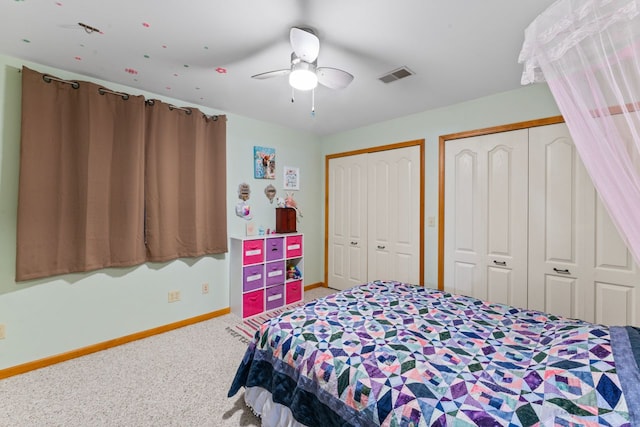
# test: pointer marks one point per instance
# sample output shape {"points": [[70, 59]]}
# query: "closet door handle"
{"points": [[381, 247], [354, 243], [503, 263], [565, 271]]}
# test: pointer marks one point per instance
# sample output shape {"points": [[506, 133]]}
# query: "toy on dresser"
{"points": [[293, 272]]}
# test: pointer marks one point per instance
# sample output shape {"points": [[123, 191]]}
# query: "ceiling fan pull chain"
{"points": [[293, 97], [313, 102]]}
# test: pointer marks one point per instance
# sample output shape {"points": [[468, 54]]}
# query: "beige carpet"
{"points": [[179, 378]]}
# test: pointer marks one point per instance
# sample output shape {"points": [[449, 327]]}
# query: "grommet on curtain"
{"points": [[124, 96], [186, 110], [47, 78]]}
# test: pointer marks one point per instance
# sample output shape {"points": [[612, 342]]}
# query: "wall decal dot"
{"points": [[146, 24], [175, 74], [221, 70], [168, 87], [206, 47], [197, 88], [26, 40], [131, 71], [78, 58], [186, 66], [164, 46], [58, 3], [147, 56]]}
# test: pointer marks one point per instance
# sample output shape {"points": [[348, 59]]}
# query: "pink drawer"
{"points": [[294, 292], [252, 277], [274, 273], [252, 251], [294, 246], [253, 303], [275, 297]]}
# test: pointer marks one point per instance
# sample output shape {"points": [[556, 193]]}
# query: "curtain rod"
{"points": [[74, 84], [47, 78], [185, 109], [124, 96]]}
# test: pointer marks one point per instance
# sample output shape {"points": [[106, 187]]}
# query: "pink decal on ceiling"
{"points": [[78, 58], [131, 71], [146, 24], [221, 70]]}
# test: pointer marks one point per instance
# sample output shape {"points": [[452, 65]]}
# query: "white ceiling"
{"points": [[458, 49]]}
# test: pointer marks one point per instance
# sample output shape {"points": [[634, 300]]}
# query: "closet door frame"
{"points": [[417, 142], [441, 172]]}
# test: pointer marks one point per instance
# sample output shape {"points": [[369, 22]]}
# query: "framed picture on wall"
{"points": [[264, 160], [291, 179]]}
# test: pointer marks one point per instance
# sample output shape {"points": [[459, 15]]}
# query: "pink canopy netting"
{"points": [[588, 52]]}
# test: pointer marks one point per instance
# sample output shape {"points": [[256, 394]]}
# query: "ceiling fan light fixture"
{"points": [[303, 76]]}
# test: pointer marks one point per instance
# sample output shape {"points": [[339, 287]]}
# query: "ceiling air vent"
{"points": [[397, 74]]}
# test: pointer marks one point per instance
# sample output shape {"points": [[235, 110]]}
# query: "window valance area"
{"points": [[109, 179]]}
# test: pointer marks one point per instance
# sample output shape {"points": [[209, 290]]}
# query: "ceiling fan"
{"points": [[304, 73]]}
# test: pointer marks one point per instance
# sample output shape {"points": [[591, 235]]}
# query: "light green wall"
{"points": [[52, 316], [47, 317], [526, 103]]}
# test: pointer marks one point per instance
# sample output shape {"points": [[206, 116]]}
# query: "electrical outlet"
{"points": [[205, 288], [174, 296], [3, 331]]}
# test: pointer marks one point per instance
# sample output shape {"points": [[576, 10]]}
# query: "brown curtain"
{"points": [[81, 187], [185, 183]]}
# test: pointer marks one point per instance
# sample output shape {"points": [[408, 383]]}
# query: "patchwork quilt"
{"points": [[394, 354]]}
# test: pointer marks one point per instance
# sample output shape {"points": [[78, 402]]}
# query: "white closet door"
{"points": [[394, 215], [347, 221], [486, 217], [578, 264], [615, 285], [558, 223]]}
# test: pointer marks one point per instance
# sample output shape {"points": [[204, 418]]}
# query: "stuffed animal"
{"points": [[291, 203]]}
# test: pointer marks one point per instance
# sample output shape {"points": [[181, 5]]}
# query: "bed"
{"points": [[395, 354]]}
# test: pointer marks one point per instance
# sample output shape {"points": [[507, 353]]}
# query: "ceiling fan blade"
{"points": [[305, 44], [333, 78], [269, 74]]}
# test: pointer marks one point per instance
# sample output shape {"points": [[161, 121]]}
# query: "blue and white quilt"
{"points": [[394, 354]]}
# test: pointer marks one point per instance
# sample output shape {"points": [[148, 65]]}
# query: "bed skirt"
{"points": [[272, 414]]}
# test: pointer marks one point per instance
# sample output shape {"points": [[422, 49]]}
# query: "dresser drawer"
{"points": [[273, 249], [294, 246], [252, 251], [294, 291], [274, 296], [274, 273], [253, 303], [252, 277]]}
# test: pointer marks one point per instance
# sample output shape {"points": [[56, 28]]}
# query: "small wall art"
{"points": [[264, 159], [270, 192], [291, 178]]}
